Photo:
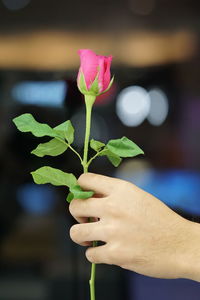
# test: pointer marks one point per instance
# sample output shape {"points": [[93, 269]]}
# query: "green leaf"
{"points": [[66, 130], [54, 176], [124, 147], [113, 158], [53, 148], [96, 145], [27, 123], [79, 193], [70, 197]]}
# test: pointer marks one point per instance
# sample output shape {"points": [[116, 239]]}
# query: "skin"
{"points": [[140, 233]]}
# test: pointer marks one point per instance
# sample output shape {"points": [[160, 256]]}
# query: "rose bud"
{"points": [[94, 73]]}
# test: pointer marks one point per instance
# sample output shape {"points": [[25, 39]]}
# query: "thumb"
{"points": [[98, 255]]}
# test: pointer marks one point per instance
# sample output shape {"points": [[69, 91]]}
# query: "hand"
{"points": [[139, 231]]}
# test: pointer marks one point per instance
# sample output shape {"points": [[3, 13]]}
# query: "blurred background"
{"points": [[154, 101]]}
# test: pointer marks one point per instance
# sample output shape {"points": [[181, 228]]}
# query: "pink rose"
{"points": [[94, 73]]}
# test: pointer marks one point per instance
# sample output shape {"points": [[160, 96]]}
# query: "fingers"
{"points": [[98, 183], [81, 219], [81, 209], [98, 255], [87, 232]]}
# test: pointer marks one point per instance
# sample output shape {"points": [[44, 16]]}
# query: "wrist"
{"points": [[190, 256]]}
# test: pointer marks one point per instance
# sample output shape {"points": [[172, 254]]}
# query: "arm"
{"points": [[140, 232]]}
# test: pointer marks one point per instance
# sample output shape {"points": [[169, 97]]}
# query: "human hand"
{"points": [[140, 232]]}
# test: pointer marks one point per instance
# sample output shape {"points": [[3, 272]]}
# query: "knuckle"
{"points": [[86, 232], [73, 206], [83, 177], [110, 230], [111, 252], [112, 209], [139, 260], [90, 256], [74, 233], [124, 184]]}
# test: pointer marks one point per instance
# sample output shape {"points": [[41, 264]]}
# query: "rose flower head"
{"points": [[94, 73]]}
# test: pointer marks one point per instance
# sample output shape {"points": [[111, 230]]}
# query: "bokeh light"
{"points": [[159, 107], [15, 4], [41, 93], [36, 199], [133, 105]]}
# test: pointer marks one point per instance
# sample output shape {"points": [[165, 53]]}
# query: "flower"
{"points": [[94, 73]]}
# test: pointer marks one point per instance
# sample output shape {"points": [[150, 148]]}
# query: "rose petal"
{"points": [[101, 72], [89, 65], [106, 80]]}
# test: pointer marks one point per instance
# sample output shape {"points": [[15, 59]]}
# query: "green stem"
{"points": [[87, 136], [92, 281], [61, 140], [92, 158], [92, 277], [75, 152], [89, 100]]}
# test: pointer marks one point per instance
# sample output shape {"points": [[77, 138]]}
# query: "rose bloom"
{"points": [[94, 73]]}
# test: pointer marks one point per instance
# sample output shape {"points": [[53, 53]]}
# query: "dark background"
{"points": [[155, 45]]}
